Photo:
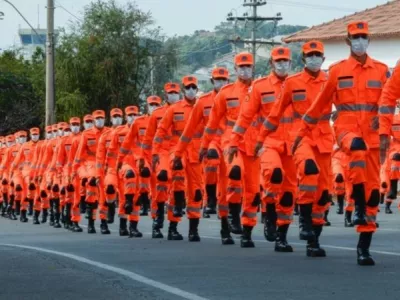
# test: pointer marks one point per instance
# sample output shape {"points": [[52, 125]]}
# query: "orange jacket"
{"points": [[198, 119], [355, 90], [148, 138], [47, 156], [300, 91], [36, 157], [116, 152], [8, 159], [102, 148], [387, 102], [24, 158], [226, 108], [63, 153], [142, 123], [261, 99], [87, 148], [72, 152], [174, 121]]}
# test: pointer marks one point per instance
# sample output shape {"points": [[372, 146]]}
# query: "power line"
{"points": [[67, 11], [203, 51]]}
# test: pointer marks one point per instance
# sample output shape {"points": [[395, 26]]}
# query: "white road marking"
{"points": [[136, 277]]}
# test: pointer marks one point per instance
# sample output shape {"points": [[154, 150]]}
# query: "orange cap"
{"points": [[313, 46], [49, 128], [172, 87], [244, 58], [220, 73], [280, 53], [10, 138], [34, 130], [188, 80], [88, 118], [154, 99], [359, 27], [54, 127], [75, 120], [129, 110], [116, 111], [99, 114], [63, 125], [21, 133]]}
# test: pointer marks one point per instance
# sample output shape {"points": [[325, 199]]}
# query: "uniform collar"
{"points": [[307, 77], [354, 63], [275, 79]]}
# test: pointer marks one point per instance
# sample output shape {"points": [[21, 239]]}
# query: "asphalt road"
{"points": [[41, 262]]}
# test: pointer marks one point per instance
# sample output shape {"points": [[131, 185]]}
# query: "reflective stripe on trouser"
{"points": [[372, 183], [194, 181], [339, 188], [222, 200], [19, 186], [394, 169], [163, 186], [144, 182], [75, 211], [270, 161], [308, 183], [234, 187], [45, 202], [250, 170], [211, 166], [153, 204], [128, 186]]}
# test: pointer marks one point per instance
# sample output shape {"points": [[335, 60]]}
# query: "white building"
{"points": [[30, 41], [384, 26]]}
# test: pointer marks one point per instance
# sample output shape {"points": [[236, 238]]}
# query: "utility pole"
{"points": [[254, 4], [50, 86]]}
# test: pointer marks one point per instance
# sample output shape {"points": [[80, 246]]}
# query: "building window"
{"points": [[39, 40], [26, 39]]}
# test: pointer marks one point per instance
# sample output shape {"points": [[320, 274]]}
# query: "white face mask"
{"points": [[151, 108], [49, 135], [9, 144], [75, 129], [245, 73], [60, 132], [35, 137], [130, 119], [190, 93], [173, 98], [218, 84], [87, 125], [116, 121], [99, 123], [314, 63], [22, 140], [281, 68], [67, 133], [359, 46]]}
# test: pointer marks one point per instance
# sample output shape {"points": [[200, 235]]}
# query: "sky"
{"points": [[179, 16]]}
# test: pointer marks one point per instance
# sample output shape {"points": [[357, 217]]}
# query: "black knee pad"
{"points": [[261, 188], [235, 173], [374, 198], [129, 174], [198, 196], [145, 172], [84, 181], [63, 191], [43, 194], [384, 185], [277, 176], [163, 176], [32, 187], [4, 182], [358, 144], [92, 181], [110, 190], [70, 188], [56, 188], [310, 167], [339, 178], [18, 188], [12, 183], [287, 199], [212, 154], [396, 157], [256, 200], [324, 199], [178, 166]]}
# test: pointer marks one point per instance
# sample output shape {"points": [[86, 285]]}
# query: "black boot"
{"points": [[364, 258], [235, 225], [245, 240], [44, 215], [68, 223], [347, 219], [12, 215], [327, 223], [18, 208], [160, 214], [5, 205], [194, 230], [359, 200], [110, 213], [226, 237], [133, 231], [305, 222], [145, 204], [205, 214], [82, 205], [30, 207], [36, 217], [91, 229], [387, 208], [76, 227], [123, 229], [382, 198], [211, 191], [104, 227], [23, 217], [51, 212], [296, 210], [281, 244], [313, 248], [179, 197], [156, 232], [263, 217], [173, 234], [57, 220], [270, 223], [340, 200]]}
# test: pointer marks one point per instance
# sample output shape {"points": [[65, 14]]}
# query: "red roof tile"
{"points": [[384, 21]]}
